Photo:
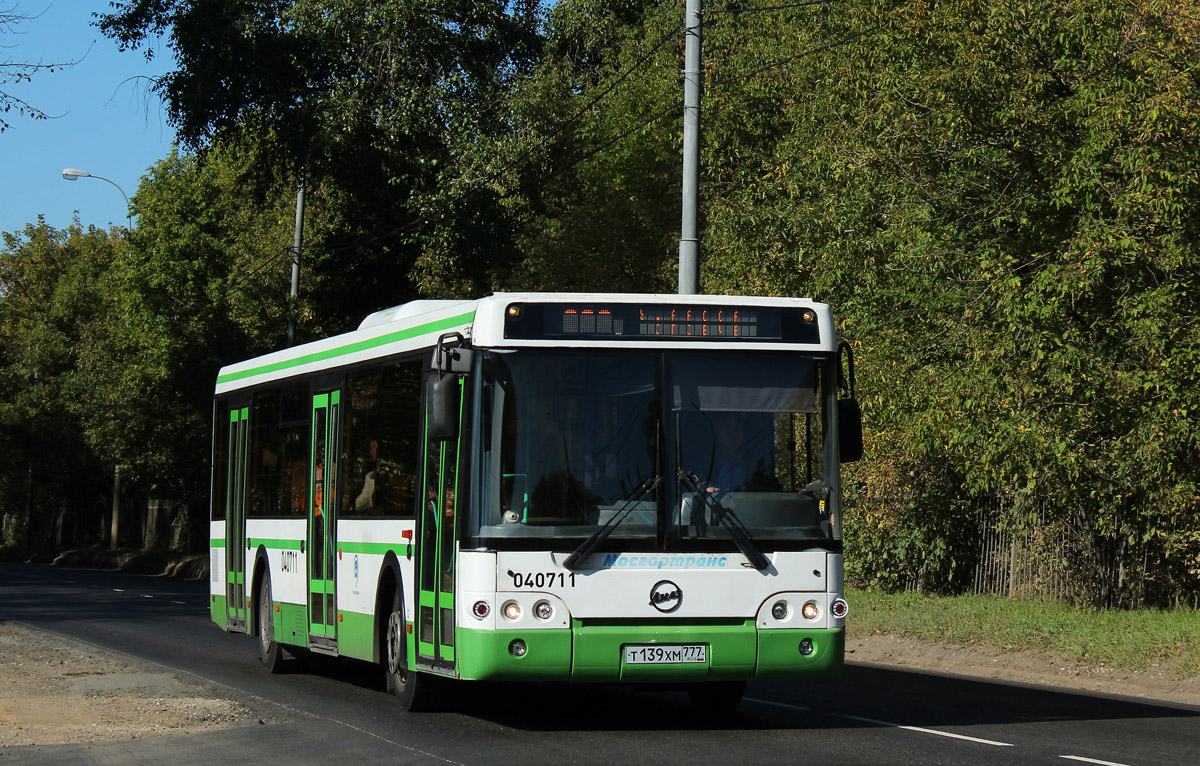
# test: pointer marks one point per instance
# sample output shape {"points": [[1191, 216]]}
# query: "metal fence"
{"points": [[1029, 564], [1055, 552]]}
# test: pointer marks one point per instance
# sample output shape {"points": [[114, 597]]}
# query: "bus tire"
{"points": [[268, 647], [717, 697], [407, 685]]}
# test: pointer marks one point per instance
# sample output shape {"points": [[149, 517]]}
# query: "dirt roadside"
{"points": [[54, 690], [1157, 683]]}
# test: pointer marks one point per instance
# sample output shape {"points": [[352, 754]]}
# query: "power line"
{"points": [[580, 112], [406, 228], [585, 157], [416, 224], [269, 262], [714, 11], [619, 79], [789, 59]]}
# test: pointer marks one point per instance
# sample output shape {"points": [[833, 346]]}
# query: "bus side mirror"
{"points": [[849, 414], [443, 409], [850, 441]]}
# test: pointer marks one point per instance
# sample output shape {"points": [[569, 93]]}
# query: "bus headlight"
{"points": [[780, 610], [481, 609], [810, 611], [517, 648], [512, 610], [839, 608], [542, 610]]}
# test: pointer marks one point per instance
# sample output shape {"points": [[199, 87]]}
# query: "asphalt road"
{"points": [[337, 712]]}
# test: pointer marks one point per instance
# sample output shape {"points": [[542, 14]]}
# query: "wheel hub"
{"points": [[395, 641]]}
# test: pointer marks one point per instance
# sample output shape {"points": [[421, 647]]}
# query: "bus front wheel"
{"points": [[268, 647], [408, 685]]}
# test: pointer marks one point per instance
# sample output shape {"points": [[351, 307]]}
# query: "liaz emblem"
{"points": [[666, 596]]}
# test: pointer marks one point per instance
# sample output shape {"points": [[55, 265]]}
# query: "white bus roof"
{"points": [[418, 325]]}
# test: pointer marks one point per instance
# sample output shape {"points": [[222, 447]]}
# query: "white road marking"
{"points": [[896, 725], [1091, 760], [935, 732]]}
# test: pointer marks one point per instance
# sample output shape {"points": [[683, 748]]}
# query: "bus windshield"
{"points": [[651, 450]]}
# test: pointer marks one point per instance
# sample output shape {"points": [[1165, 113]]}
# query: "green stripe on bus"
{"points": [[352, 348], [378, 549], [282, 545]]}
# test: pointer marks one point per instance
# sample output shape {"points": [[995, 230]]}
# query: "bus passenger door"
{"points": [[436, 554], [322, 518], [235, 517]]}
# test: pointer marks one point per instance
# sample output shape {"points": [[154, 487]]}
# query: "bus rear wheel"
{"points": [[268, 647], [407, 685]]}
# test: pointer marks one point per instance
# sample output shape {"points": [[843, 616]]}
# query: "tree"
{"points": [[19, 71], [48, 296], [581, 192], [362, 97], [998, 199], [204, 283], [110, 342]]}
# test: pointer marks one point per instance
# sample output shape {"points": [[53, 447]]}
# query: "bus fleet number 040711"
{"points": [[540, 580]]}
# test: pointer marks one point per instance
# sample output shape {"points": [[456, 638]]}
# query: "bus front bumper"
{"points": [[596, 653]]}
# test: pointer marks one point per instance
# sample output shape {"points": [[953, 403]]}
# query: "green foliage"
{"points": [[585, 182], [204, 281], [48, 297], [111, 340], [366, 98], [999, 199]]}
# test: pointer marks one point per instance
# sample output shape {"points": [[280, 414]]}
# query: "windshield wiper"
{"points": [[588, 546], [727, 518]]}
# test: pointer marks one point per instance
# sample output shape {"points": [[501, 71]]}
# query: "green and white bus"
{"points": [[543, 487]]}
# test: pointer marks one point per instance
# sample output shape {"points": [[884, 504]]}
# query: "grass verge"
{"points": [[1130, 640]]}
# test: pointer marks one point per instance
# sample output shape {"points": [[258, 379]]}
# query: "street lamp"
{"points": [[72, 174]]}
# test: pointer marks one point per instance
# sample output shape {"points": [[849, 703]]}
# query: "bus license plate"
{"points": [[665, 654]]}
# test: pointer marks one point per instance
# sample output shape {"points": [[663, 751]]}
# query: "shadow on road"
{"points": [[881, 695], [867, 696]]}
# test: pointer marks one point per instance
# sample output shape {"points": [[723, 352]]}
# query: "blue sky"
{"points": [[105, 122]]}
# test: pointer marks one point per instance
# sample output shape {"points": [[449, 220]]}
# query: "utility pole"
{"points": [[689, 242], [297, 246], [114, 534]]}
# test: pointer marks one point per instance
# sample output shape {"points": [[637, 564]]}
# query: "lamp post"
{"points": [[72, 174]]}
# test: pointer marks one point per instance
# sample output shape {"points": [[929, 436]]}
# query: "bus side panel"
{"points": [[362, 548], [282, 539], [216, 571]]}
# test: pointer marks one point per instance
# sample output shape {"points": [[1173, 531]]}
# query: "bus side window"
{"points": [[381, 450], [220, 458]]}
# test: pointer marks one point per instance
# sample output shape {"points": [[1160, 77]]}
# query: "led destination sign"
{"points": [[561, 321]]}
